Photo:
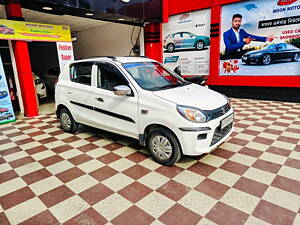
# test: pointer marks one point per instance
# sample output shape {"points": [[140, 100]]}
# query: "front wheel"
{"points": [[67, 122], [170, 47], [199, 45], [296, 57], [266, 59], [163, 146]]}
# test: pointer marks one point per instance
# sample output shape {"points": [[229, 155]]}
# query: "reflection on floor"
{"points": [[48, 176]]}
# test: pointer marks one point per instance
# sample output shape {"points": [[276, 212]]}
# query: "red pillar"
{"points": [[215, 43], [13, 10], [153, 41]]}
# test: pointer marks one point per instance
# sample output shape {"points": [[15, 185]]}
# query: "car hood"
{"points": [[193, 95]]}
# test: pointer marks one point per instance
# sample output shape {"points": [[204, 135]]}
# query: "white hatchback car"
{"points": [[140, 98]]}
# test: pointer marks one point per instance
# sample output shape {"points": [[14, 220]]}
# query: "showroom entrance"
{"points": [[90, 37]]}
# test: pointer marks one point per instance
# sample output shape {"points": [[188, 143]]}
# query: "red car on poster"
{"points": [[6, 30], [3, 110]]}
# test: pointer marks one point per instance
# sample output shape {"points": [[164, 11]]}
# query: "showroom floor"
{"points": [[93, 177]]}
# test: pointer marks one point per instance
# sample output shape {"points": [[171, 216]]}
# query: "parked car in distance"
{"points": [[50, 78], [40, 86], [6, 116], [140, 98], [271, 53], [6, 30], [185, 40]]}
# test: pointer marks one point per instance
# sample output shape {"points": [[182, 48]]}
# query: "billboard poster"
{"points": [[28, 31], [65, 53], [6, 108], [186, 42], [260, 38]]}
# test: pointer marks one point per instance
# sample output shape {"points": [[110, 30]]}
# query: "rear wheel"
{"points": [[67, 122], [199, 45], [163, 146], [266, 59]]}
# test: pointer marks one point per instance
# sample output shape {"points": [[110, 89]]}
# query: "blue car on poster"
{"points": [[185, 40]]}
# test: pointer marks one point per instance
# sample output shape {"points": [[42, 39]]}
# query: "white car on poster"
{"points": [[140, 98]]}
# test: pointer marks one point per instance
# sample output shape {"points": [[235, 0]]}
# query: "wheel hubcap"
{"points": [[161, 147], [267, 59], [200, 45], [171, 48], [65, 121]]}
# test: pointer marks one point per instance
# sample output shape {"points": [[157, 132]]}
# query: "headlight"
{"points": [[192, 114]]}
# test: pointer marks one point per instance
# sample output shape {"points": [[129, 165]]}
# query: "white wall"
{"points": [[109, 39]]}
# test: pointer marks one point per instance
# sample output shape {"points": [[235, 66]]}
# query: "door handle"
{"points": [[99, 99], [69, 92]]}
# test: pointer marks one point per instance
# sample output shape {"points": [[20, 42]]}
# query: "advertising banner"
{"points": [[260, 38], [27, 31], [65, 53], [6, 109], [186, 42]]}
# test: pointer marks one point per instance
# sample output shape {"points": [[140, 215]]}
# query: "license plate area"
{"points": [[226, 121]]}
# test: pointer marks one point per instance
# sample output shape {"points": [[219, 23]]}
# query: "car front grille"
{"points": [[219, 134], [216, 113]]}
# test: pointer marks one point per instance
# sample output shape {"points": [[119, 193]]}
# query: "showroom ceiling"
{"points": [[76, 23]]}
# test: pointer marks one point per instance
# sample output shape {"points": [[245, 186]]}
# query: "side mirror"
{"points": [[278, 48], [122, 90]]}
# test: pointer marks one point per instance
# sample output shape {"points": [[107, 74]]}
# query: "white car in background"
{"points": [[140, 98], [40, 87]]}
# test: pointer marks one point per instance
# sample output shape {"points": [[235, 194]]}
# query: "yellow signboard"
{"points": [[27, 31]]}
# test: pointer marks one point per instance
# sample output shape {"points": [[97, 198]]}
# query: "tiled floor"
{"points": [[51, 177]]}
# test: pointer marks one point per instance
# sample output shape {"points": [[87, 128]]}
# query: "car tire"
{"points": [[295, 57], [170, 47], [163, 146], [200, 45], [67, 121], [266, 59]]}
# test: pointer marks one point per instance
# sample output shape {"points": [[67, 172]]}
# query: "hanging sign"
{"points": [[28, 31]]}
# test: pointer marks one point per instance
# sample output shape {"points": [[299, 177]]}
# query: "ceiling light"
{"points": [[121, 19], [47, 8], [126, 1], [89, 14]]}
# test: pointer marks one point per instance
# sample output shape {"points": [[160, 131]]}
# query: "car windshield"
{"points": [[153, 76]]}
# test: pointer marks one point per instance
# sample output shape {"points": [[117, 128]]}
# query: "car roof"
{"points": [[124, 59]]}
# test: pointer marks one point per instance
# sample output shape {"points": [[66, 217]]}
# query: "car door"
{"points": [[112, 112], [281, 51], [78, 91], [178, 40], [188, 40]]}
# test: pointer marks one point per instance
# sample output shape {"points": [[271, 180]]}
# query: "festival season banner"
{"points": [[27, 31]]}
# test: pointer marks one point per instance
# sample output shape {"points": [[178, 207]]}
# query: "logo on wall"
{"points": [[286, 2], [184, 16]]}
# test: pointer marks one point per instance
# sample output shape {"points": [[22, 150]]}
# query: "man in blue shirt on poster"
{"points": [[235, 38]]}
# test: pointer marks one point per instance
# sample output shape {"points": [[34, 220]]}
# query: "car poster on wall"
{"points": [[186, 42], [6, 109], [260, 38]]}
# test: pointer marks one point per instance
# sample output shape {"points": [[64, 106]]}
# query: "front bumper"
{"points": [[205, 138], [251, 59]]}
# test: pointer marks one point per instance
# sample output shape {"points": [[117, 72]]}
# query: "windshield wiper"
{"points": [[170, 86]]}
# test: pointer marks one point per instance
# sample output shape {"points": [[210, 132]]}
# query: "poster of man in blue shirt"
{"points": [[236, 38]]}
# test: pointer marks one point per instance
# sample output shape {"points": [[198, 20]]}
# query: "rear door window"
{"points": [[81, 72]]}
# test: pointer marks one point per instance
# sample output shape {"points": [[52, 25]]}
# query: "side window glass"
{"points": [[108, 76], [81, 73]]}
